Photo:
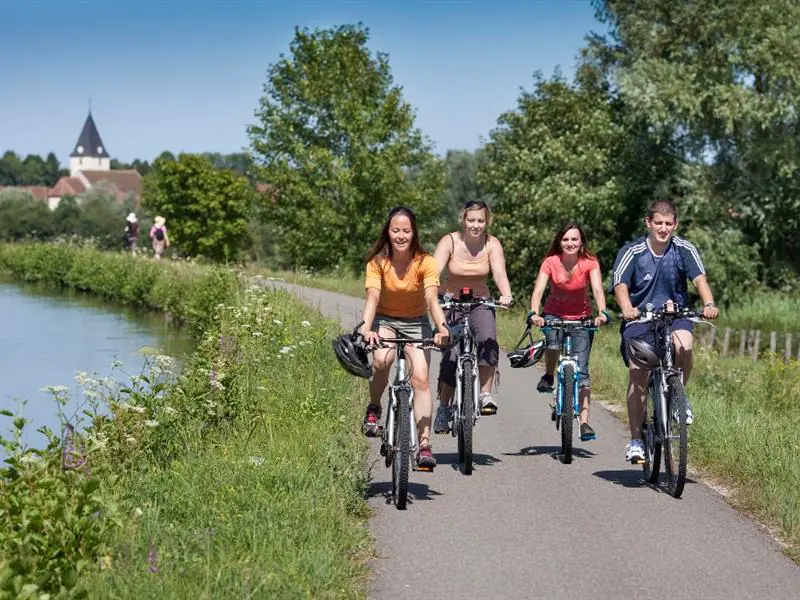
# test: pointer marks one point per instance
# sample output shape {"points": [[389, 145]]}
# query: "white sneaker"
{"points": [[634, 452], [488, 405], [442, 422]]}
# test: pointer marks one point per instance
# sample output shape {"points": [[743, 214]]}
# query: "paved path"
{"points": [[524, 525]]}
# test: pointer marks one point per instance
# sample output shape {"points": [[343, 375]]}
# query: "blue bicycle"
{"points": [[566, 396]]}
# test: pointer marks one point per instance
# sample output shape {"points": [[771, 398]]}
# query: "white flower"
{"points": [[217, 385], [257, 334], [305, 324], [55, 389], [151, 423], [286, 349], [170, 411], [306, 343], [277, 322], [256, 461]]}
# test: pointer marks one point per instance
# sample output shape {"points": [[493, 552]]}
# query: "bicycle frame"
{"points": [[401, 382], [567, 358]]}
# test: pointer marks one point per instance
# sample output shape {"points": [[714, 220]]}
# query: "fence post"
{"points": [[787, 353], [742, 341], [725, 341], [773, 342], [756, 344]]}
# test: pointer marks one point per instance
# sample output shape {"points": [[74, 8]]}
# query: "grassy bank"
{"points": [[239, 476], [745, 435]]}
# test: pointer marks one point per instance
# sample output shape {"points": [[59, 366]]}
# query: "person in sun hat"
{"points": [[158, 233], [131, 236]]}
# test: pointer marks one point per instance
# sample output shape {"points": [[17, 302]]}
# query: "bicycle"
{"points": [[399, 433], [664, 427], [566, 394], [464, 409]]}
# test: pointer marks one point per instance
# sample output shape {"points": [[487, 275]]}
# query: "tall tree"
{"points": [[206, 208], [337, 141], [722, 77], [551, 160]]}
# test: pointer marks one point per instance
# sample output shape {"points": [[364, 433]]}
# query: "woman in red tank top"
{"points": [[571, 270]]}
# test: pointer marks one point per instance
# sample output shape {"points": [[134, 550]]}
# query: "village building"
{"points": [[90, 167]]}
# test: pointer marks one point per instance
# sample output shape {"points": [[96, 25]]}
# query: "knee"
{"points": [[419, 381]]}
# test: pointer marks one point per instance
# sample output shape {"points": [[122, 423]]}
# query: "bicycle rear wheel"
{"points": [[652, 447], [401, 450], [568, 413], [676, 442], [466, 418]]}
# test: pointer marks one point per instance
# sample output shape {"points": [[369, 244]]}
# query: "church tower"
{"points": [[89, 153]]}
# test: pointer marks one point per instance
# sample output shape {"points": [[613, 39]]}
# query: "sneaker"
{"points": [[545, 384], [442, 422], [425, 458], [587, 432], [371, 424], [488, 405], [634, 452]]}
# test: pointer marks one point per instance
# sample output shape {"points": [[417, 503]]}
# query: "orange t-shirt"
{"points": [[404, 298]]}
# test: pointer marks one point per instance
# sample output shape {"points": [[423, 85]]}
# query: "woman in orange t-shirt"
{"points": [[402, 281], [571, 270]]}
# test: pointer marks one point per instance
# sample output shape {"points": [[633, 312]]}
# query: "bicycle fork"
{"points": [[562, 382]]}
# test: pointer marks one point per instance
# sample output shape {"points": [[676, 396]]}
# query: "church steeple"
{"points": [[89, 143], [89, 153]]}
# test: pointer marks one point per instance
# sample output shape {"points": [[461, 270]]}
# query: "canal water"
{"points": [[48, 336]]}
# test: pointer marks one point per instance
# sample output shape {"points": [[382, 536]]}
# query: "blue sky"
{"points": [[187, 76]]}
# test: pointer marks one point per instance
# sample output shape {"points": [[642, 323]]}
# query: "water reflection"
{"points": [[49, 335]]}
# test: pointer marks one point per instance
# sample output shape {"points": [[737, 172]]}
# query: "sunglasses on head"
{"points": [[477, 204]]}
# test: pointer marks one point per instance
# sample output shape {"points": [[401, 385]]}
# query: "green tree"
{"points": [[206, 209], [337, 141], [11, 170], [721, 78], [67, 216], [24, 217], [551, 160]]}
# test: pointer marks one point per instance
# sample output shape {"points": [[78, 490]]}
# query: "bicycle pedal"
{"points": [[637, 461], [488, 411], [425, 469]]}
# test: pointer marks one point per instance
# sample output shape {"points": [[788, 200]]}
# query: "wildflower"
{"points": [[306, 343], [305, 324], [152, 558], [256, 461], [170, 411], [116, 364], [151, 423], [286, 349], [277, 322], [257, 334], [216, 385], [54, 389]]}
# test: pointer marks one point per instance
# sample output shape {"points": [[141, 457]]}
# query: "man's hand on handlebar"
{"points": [[710, 312], [630, 314], [505, 300]]}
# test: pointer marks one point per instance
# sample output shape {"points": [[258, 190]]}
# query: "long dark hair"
{"points": [[382, 248], [555, 246]]}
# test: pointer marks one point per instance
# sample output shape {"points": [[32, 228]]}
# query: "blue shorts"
{"points": [[646, 332]]}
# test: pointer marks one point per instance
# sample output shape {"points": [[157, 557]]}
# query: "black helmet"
{"points": [[527, 356], [352, 355], [642, 354]]}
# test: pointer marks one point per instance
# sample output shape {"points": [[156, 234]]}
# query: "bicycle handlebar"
{"points": [[451, 302], [649, 315], [587, 324]]}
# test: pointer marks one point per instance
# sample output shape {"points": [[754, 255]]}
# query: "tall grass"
{"points": [[239, 476], [764, 311]]}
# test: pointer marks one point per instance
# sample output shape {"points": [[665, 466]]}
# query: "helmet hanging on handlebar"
{"points": [[521, 358], [352, 355]]}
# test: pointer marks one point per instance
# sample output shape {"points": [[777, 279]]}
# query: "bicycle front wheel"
{"points": [[466, 419], [402, 450], [650, 435], [568, 413], [676, 442]]}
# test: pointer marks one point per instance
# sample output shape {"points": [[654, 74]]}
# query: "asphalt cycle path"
{"points": [[525, 525]]}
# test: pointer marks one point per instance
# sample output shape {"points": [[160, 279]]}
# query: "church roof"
{"points": [[89, 143]]}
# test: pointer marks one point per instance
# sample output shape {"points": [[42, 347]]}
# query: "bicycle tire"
{"points": [[652, 447], [402, 450], [676, 443], [467, 417], [567, 414]]}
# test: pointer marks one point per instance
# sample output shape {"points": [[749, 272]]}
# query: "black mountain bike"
{"points": [[665, 428], [464, 407], [399, 434]]}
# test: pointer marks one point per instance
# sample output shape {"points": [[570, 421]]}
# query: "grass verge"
{"points": [[238, 476]]}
